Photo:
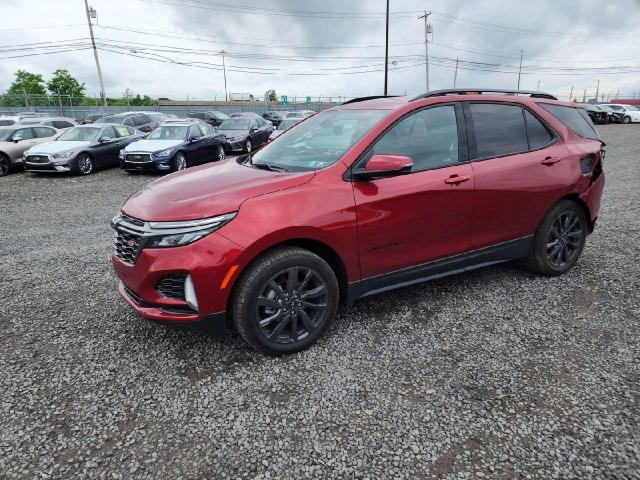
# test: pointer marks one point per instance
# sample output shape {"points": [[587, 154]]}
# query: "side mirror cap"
{"points": [[381, 166], [16, 139], [105, 140]]}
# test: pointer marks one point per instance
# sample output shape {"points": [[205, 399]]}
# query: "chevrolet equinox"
{"points": [[374, 194]]}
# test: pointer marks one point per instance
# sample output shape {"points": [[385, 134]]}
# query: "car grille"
{"points": [[138, 157], [127, 239], [172, 286], [37, 159]]}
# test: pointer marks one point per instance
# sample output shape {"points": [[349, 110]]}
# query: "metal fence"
{"points": [[75, 107]]}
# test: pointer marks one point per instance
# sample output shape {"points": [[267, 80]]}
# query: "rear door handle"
{"points": [[456, 179], [550, 160]]}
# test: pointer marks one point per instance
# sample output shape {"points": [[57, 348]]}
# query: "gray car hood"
{"points": [[50, 148]]}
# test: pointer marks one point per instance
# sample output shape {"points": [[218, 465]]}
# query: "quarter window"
{"points": [[499, 129], [539, 134], [429, 137], [574, 118]]}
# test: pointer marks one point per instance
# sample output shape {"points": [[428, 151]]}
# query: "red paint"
{"points": [[373, 226], [388, 163]]}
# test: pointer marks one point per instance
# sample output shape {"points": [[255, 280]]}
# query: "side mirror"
{"points": [[105, 139], [381, 166], [16, 139], [252, 129], [194, 139]]}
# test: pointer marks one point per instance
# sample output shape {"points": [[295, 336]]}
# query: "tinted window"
{"points": [[62, 124], [576, 119], [24, 133], [429, 137], [499, 129], [122, 131], [539, 135], [108, 132], [6, 123], [140, 120], [197, 115], [43, 132]]}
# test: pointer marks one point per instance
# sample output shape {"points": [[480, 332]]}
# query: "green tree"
{"points": [[27, 83], [270, 96], [62, 83]]}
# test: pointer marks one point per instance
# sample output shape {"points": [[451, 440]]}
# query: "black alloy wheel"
{"points": [[563, 240], [220, 154], [284, 300], [248, 146], [5, 165], [85, 164]]}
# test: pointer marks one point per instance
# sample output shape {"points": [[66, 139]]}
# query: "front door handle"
{"points": [[456, 179], [550, 160]]}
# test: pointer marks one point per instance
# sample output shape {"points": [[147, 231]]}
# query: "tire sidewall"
{"points": [[93, 165], [248, 146], [253, 281], [4, 159], [175, 162], [224, 154]]}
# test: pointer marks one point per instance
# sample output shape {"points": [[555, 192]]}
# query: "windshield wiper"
{"points": [[265, 166]]}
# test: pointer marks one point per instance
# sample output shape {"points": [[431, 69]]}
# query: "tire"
{"points": [[248, 146], [626, 119], [220, 154], [180, 162], [559, 239], [85, 165], [5, 165], [284, 301]]}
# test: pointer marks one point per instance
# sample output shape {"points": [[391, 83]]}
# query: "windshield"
{"points": [[287, 124], [178, 132], [319, 141], [117, 119], [5, 133], [235, 124], [220, 115], [79, 135]]}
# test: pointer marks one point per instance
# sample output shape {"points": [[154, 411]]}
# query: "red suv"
{"points": [[374, 194]]}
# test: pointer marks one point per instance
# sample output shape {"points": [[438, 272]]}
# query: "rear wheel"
{"points": [[85, 164], [285, 300], [559, 240], [5, 165]]}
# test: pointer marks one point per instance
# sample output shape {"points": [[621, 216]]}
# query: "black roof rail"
{"points": [[364, 99], [475, 91]]}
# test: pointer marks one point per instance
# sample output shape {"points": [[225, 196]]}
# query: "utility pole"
{"points": [[386, 52], [426, 46], [597, 89], [538, 86], [618, 95], [584, 96], [224, 69], [520, 69], [95, 51], [571, 93], [455, 74]]}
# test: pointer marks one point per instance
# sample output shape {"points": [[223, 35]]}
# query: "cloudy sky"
{"points": [[170, 48]]}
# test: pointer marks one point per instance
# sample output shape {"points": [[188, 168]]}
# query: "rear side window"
{"points": [[44, 132], [576, 119], [499, 129], [539, 134], [429, 137]]}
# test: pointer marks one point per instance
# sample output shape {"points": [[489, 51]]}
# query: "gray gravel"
{"points": [[493, 374]]}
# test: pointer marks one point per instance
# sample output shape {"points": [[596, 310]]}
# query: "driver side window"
{"points": [[429, 137], [108, 133], [24, 133], [194, 132]]}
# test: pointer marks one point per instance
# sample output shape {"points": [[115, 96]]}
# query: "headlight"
{"points": [[121, 154], [63, 154], [174, 234], [164, 153]]}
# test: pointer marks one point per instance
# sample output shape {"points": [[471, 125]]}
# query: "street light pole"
{"points": [[426, 46], [386, 52], [224, 69], [95, 54], [520, 69]]}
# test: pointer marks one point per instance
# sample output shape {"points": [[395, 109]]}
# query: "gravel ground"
{"points": [[494, 374]]}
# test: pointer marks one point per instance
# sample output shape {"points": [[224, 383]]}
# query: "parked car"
{"points": [[91, 118], [213, 118], [160, 117], [597, 115], [15, 140], [174, 146], [245, 114], [60, 123], [138, 120], [275, 117], [81, 150], [631, 113], [613, 116], [245, 133], [283, 126], [365, 197], [8, 120]]}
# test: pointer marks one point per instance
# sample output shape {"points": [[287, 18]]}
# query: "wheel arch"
{"points": [[575, 198]]}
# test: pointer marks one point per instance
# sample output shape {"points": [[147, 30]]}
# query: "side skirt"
{"points": [[503, 252]]}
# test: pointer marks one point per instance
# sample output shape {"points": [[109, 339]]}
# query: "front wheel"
{"points": [[559, 240], [85, 165], [248, 146], [626, 119], [180, 162], [5, 165], [285, 300], [220, 153]]}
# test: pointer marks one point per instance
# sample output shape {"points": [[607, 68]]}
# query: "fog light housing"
{"points": [[190, 294]]}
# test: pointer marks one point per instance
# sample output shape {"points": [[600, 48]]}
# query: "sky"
{"points": [[328, 48]]}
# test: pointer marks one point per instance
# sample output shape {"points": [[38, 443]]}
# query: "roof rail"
{"points": [[364, 99], [475, 91]]}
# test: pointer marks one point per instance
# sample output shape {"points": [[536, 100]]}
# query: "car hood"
{"points": [[151, 146], [234, 133], [206, 191], [57, 146]]}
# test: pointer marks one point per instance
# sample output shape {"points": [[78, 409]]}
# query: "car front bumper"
{"points": [[235, 145], [46, 164], [212, 264]]}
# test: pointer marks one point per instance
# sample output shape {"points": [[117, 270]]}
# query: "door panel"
{"points": [[412, 219]]}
